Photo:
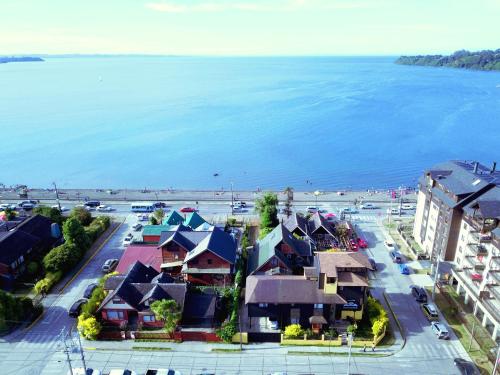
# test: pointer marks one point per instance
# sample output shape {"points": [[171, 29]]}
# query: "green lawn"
{"points": [[482, 342]]}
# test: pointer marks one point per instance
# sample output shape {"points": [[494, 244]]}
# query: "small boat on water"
{"points": [[216, 174]]}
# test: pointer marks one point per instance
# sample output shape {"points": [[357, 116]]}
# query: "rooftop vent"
{"points": [[476, 165]]}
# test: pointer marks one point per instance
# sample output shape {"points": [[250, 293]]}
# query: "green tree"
{"points": [[294, 331], [168, 311], [83, 216], [75, 234], [153, 221], [52, 213], [267, 207], [10, 213], [159, 214], [61, 258], [289, 199], [227, 331], [379, 326]]}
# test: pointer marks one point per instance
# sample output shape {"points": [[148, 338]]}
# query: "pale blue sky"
{"points": [[248, 27]]}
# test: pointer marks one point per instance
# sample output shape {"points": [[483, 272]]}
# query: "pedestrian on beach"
{"points": [[364, 347], [373, 347]]}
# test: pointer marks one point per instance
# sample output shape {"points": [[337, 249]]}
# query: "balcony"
{"points": [[481, 238], [476, 264], [477, 249]]}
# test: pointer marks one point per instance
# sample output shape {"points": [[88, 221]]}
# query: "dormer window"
{"points": [[117, 300]]}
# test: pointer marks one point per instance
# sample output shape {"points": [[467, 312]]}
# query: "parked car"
{"points": [[142, 217], [241, 203], [396, 257], [109, 265], [4, 206], [351, 305], [389, 244], [312, 209], [349, 210], [393, 211], [407, 207], [104, 208], [88, 208], [368, 206], [27, 206], [440, 330], [81, 371], [274, 324], [373, 263], [88, 291], [137, 227], [122, 372], [354, 245], [76, 307], [27, 202], [63, 209], [404, 269], [187, 209], [92, 204], [161, 371], [419, 294], [466, 367], [127, 241], [430, 311], [362, 243]]}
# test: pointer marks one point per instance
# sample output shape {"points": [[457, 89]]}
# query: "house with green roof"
{"points": [[194, 220], [173, 218], [152, 233]]}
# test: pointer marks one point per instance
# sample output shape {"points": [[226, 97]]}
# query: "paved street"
{"points": [[39, 351]]}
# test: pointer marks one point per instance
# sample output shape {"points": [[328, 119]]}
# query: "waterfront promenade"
{"points": [[133, 195]]}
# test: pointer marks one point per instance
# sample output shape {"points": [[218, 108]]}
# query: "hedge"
{"points": [[13, 310]]}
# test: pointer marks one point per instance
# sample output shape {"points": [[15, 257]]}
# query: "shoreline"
{"points": [[137, 195]]}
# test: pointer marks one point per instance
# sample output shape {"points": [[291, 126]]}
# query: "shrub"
{"points": [[50, 279], [294, 331], [168, 311], [379, 326], [75, 234], [351, 328], [88, 326], [82, 215], [377, 316], [52, 213], [62, 258], [238, 278], [13, 310], [90, 308], [227, 331]]}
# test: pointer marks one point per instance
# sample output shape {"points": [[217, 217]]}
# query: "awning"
{"points": [[317, 319], [171, 264]]}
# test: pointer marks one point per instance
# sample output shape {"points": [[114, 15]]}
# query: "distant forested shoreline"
{"points": [[481, 60], [7, 59]]}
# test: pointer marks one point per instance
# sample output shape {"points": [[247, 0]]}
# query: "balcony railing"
{"points": [[481, 238], [477, 249]]}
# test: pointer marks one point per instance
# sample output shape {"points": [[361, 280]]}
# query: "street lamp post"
{"points": [[316, 193], [57, 196], [232, 199], [436, 275], [350, 339]]}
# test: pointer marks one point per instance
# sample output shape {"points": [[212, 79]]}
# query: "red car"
{"points": [[187, 209], [362, 243], [354, 245]]}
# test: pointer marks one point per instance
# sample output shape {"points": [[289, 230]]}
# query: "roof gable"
{"points": [[218, 242], [16, 244], [173, 218], [194, 220]]}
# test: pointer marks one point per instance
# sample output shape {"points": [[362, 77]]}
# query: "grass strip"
{"points": [[153, 348], [226, 350], [338, 354]]}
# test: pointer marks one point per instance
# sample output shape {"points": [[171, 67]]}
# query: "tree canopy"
{"points": [[480, 60], [168, 311]]}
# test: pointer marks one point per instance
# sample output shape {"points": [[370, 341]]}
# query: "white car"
{"points": [[407, 207], [368, 206], [81, 371], [122, 372], [104, 208], [393, 211], [63, 209], [389, 244]]}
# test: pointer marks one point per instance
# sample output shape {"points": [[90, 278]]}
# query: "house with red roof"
{"points": [[147, 254]]}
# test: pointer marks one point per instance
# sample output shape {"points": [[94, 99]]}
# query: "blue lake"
{"points": [[309, 123]]}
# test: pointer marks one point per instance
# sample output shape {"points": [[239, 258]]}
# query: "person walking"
{"points": [[373, 347], [364, 347]]}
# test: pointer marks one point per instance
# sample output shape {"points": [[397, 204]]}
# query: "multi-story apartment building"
{"points": [[457, 219]]}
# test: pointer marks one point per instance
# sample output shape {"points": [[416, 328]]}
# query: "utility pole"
{"points": [[66, 350], [81, 351], [496, 361], [232, 199], [350, 339], [436, 275], [57, 196]]}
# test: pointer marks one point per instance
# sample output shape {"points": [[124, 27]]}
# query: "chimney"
{"points": [[493, 167], [476, 164]]}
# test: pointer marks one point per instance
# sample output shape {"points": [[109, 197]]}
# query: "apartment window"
{"points": [[460, 249], [115, 315], [209, 261], [462, 238], [263, 305], [149, 318], [465, 226], [458, 260], [318, 305]]}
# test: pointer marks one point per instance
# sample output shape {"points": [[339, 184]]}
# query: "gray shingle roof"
{"points": [[219, 243]]}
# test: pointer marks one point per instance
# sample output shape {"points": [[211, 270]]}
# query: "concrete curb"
{"points": [[400, 327]]}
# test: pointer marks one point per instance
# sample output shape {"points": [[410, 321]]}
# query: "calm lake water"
{"points": [[311, 123]]}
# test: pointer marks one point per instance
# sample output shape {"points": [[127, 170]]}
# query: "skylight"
{"points": [[476, 182]]}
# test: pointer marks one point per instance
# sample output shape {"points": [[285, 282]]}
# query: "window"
{"points": [[458, 260], [149, 318], [294, 320], [209, 261], [115, 315], [318, 305], [262, 304], [462, 237], [176, 256], [460, 249], [465, 226], [117, 300]]}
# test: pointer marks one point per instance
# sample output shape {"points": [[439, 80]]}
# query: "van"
{"points": [[440, 330], [430, 311], [419, 294]]}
